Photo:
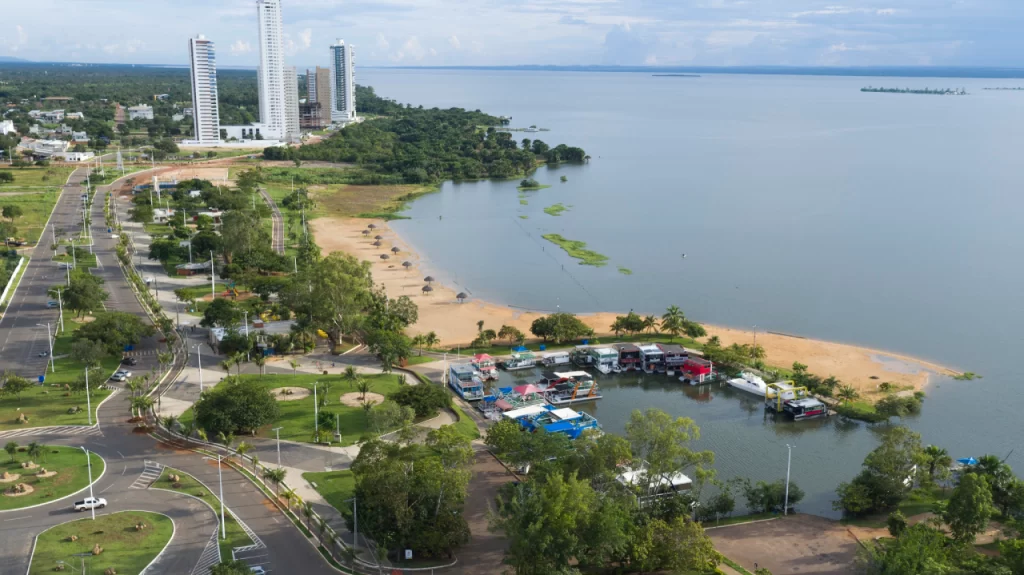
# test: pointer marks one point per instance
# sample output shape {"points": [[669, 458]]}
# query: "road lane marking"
{"points": [[125, 469], [121, 454], [18, 518]]}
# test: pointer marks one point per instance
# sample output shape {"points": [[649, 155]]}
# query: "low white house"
{"points": [[76, 156], [140, 112], [79, 137], [74, 116], [6, 127], [161, 215]]}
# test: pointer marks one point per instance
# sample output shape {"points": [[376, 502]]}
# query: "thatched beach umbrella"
{"points": [[407, 264], [462, 296], [378, 237], [384, 256], [372, 226], [366, 232], [428, 279], [395, 250], [376, 244], [427, 289]]}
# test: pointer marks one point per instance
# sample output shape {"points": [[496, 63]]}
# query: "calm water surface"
{"points": [[803, 206]]}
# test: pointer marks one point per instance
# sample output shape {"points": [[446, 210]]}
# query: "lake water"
{"points": [[803, 206]]}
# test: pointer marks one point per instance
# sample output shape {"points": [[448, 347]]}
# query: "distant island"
{"points": [[940, 92], [676, 75], [1017, 89]]}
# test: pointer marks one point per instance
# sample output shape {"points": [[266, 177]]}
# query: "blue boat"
{"points": [[553, 420], [463, 381]]}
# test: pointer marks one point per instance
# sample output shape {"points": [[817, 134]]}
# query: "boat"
{"points": [[548, 379], [652, 359], [509, 399], [555, 358], [581, 356], [603, 358], [629, 356], [484, 364], [554, 420], [696, 370], [674, 356], [804, 408], [520, 360], [531, 129], [750, 383], [667, 484], [575, 387], [618, 369], [463, 380]]}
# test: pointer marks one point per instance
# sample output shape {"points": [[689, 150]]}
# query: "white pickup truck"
{"points": [[90, 503]]}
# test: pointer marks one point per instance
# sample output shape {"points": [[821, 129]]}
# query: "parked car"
{"points": [[257, 570], [44, 354], [51, 304], [124, 372], [66, 265], [129, 361], [90, 503]]}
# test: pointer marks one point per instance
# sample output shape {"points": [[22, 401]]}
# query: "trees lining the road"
{"points": [[115, 330], [235, 405]]}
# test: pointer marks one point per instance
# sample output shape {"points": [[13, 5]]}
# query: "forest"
{"points": [[420, 145]]}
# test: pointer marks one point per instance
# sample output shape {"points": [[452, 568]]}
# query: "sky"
{"points": [[517, 32]]}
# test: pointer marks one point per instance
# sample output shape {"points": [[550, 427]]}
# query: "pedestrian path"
{"points": [[210, 556], [63, 430], [150, 474]]}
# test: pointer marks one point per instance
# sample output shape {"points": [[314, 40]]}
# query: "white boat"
{"points": [[520, 360], [617, 368], [750, 383], [555, 358], [604, 359]]}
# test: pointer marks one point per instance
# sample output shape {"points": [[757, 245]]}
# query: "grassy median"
{"points": [[125, 548], [68, 464]]}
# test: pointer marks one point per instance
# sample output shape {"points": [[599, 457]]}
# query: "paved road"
{"points": [[277, 222], [21, 337]]}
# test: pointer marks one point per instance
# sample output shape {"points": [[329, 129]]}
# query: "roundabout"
{"points": [[117, 543]]}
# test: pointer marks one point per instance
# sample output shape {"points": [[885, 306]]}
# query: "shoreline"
{"points": [[456, 323]]}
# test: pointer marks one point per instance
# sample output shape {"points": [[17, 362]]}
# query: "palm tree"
{"points": [[11, 448], [937, 457], [164, 359], [141, 405], [650, 323], [363, 386], [260, 362], [190, 428], [242, 449], [169, 422], [289, 495], [255, 462], [351, 375], [307, 510], [237, 359], [846, 393], [674, 314], [431, 340], [133, 385], [294, 365], [226, 365], [276, 476], [321, 527], [201, 433], [480, 326], [417, 342]]}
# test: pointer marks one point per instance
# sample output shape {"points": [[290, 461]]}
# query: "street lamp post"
{"points": [[88, 460], [49, 340], [220, 478], [277, 433], [88, 404], [789, 460], [60, 302], [199, 358], [316, 415]]}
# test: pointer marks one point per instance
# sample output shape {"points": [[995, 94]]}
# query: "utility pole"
{"points": [[88, 460], [213, 279], [220, 478], [316, 414], [199, 357], [88, 404], [277, 433], [60, 302], [49, 340], [789, 460]]}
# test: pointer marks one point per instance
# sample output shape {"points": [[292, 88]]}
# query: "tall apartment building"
{"points": [[291, 105], [323, 92], [343, 83], [205, 111], [270, 74], [310, 86]]}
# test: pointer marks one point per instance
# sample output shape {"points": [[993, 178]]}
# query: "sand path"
{"points": [[455, 323]]}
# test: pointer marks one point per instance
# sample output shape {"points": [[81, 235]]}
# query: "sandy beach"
{"points": [[456, 323]]}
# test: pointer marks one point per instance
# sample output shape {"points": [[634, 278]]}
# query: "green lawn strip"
{"points": [[68, 462], [46, 406], [296, 416], [578, 250], [335, 487], [125, 550], [157, 230], [465, 425], [862, 410], [203, 290], [918, 501], [81, 260], [36, 208], [739, 568], [36, 176], [235, 536], [419, 359], [15, 282], [555, 209]]}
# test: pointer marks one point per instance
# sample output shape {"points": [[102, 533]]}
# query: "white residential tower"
{"points": [[291, 105], [343, 83], [271, 70], [205, 112]]}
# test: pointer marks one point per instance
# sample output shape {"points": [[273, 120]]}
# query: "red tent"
{"points": [[527, 389]]}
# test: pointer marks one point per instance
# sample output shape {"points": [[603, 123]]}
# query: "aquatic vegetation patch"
{"points": [[578, 250]]}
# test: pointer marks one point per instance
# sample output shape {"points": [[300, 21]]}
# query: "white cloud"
{"points": [[382, 42], [453, 40], [240, 47], [129, 47], [433, 52], [20, 39], [306, 38], [844, 10], [411, 50]]}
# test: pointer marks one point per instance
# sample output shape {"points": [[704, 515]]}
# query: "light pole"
{"points": [[199, 358], [49, 340], [316, 415], [88, 460], [355, 524], [74, 258], [220, 479], [789, 460], [277, 434], [60, 302]]}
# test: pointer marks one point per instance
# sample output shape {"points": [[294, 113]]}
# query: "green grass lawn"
{"points": [[920, 500], [68, 462], [418, 359], [465, 425], [46, 406], [37, 176], [36, 205], [296, 416], [235, 535], [125, 550], [81, 260], [157, 230], [335, 486], [15, 282]]}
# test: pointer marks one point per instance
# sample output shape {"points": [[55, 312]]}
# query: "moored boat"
{"points": [[520, 360], [603, 359], [574, 387], [555, 358], [485, 365], [750, 383], [463, 380], [554, 420]]}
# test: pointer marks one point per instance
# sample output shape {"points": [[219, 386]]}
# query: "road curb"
{"points": [[174, 529]]}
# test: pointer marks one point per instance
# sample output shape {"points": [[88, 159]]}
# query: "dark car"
{"points": [[129, 361]]}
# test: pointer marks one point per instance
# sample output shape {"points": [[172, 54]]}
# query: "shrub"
{"points": [[424, 399]]}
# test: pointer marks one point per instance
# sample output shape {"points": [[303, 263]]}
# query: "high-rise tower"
{"points": [[205, 111], [343, 83], [271, 70], [291, 105]]}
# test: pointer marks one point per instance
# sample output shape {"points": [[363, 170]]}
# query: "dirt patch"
{"points": [[9, 477], [290, 393], [171, 448], [796, 544], [25, 489], [269, 504], [352, 200], [355, 399], [45, 475]]}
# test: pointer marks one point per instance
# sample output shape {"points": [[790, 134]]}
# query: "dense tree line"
{"points": [[419, 145]]}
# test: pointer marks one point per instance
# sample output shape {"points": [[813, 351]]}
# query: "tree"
{"points": [[84, 294], [332, 294], [431, 339], [847, 393], [12, 212], [6, 178], [560, 327], [897, 523], [425, 399], [231, 567], [221, 313], [236, 405], [919, 549], [651, 324], [276, 476], [363, 386], [390, 347], [510, 334], [770, 497], [883, 480], [242, 448], [88, 352], [1000, 480], [453, 448], [389, 415], [14, 385], [937, 459], [969, 508], [11, 448], [115, 330], [664, 444]]}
